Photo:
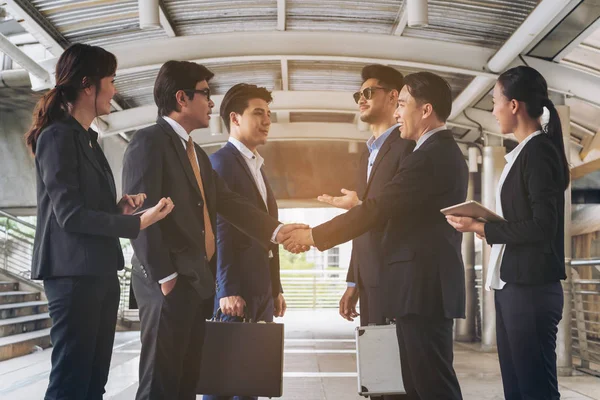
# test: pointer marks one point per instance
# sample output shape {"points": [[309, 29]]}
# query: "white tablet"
{"points": [[473, 209]]}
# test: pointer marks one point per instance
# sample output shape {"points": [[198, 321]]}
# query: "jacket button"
{"points": [[202, 232], [200, 204]]}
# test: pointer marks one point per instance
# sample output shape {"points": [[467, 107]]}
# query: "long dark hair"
{"points": [[80, 66], [527, 85]]}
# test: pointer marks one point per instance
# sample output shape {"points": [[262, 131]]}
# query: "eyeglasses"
{"points": [[367, 93], [205, 92]]}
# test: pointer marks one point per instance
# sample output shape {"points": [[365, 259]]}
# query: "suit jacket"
{"points": [[424, 274], [156, 163], [78, 221], [243, 264], [533, 203], [367, 255]]}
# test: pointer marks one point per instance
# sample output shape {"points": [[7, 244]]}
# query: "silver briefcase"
{"points": [[378, 361]]}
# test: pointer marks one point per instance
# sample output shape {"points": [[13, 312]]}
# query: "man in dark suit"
{"points": [[248, 283], [174, 263], [377, 101], [425, 288]]}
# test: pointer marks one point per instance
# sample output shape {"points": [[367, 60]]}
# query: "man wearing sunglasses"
{"points": [[377, 100], [174, 263]]}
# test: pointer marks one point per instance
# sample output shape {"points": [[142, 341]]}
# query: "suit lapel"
{"points": [[181, 153], [363, 168], [86, 145], [385, 148]]}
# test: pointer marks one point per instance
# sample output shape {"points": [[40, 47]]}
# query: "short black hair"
{"points": [[427, 87], [236, 100], [174, 76], [388, 77]]}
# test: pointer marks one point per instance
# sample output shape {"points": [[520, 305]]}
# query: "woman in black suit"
{"points": [[527, 258], [76, 249]]}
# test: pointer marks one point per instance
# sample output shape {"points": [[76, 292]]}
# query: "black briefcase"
{"points": [[242, 359]]}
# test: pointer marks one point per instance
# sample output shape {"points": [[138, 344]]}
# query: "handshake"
{"points": [[297, 238]]}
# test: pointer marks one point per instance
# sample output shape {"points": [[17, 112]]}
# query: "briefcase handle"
{"points": [[218, 315]]}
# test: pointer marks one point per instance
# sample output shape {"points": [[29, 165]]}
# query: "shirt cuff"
{"points": [[169, 278], [274, 237], [351, 284]]}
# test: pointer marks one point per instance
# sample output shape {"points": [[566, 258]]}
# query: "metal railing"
{"points": [[303, 289], [16, 245], [585, 314]]}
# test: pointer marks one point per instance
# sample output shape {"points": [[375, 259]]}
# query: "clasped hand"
{"points": [[295, 238]]}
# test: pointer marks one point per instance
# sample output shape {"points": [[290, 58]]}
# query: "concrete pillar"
{"points": [[493, 164], [564, 348], [465, 328]]}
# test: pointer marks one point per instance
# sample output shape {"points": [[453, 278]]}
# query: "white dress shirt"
{"points": [[493, 280], [429, 134], [255, 163]]}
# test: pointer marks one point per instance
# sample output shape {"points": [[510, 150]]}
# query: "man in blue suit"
{"points": [[248, 283]]}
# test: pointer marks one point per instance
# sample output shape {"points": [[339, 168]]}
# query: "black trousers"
{"points": [[527, 318], [258, 308], [84, 316], [172, 334], [371, 313], [426, 355]]}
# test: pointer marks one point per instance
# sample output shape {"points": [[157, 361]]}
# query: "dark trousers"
{"points": [[371, 313], [426, 356], [84, 315], [172, 334], [527, 318], [258, 308]]}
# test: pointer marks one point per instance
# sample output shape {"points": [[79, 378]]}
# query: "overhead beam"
{"points": [[285, 75], [36, 24], [412, 53], [136, 118], [165, 22], [566, 80], [292, 132], [400, 26], [527, 33], [281, 15]]}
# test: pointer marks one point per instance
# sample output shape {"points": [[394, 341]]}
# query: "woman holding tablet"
{"points": [[76, 248], [527, 259]]}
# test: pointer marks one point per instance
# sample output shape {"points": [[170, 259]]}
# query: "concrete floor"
{"points": [[319, 364]]}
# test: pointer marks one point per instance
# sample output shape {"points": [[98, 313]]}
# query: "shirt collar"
{"points": [[429, 134], [245, 150], [179, 130], [515, 152], [375, 143]]}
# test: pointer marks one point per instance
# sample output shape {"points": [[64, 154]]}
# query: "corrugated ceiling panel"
{"points": [[377, 16], [98, 22], [137, 88], [192, 17], [336, 76], [483, 22]]}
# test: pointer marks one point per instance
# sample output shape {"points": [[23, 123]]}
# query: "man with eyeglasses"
{"points": [[377, 100], [174, 263]]}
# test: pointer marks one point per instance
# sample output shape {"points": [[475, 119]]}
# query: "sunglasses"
{"points": [[367, 93], [205, 92]]}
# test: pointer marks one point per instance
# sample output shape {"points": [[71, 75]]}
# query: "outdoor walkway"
{"points": [[319, 364]]}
